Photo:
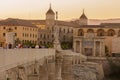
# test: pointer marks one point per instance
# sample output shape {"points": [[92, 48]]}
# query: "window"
{"points": [[48, 36], [44, 36], [15, 34], [41, 35], [119, 33], [4, 27], [80, 32], [72, 31], [111, 32], [27, 35], [3, 34], [30, 35], [23, 34], [64, 30], [15, 28], [52, 36], [90, 31], [68, 30], [59, 29], [100, 32]]}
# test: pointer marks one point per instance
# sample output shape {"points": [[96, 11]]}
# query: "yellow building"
{"points": [[24, 30]]}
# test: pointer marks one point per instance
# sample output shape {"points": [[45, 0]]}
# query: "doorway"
{"points": [[88, 51]]}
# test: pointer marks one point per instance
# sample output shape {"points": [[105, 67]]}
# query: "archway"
{"points": [[80, 32], [100, 32]]}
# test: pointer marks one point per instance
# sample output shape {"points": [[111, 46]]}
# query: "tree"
{"points": [[66, 45], [17, 41]]}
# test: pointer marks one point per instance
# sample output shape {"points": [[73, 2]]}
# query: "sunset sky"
{"points": [[67, 9]]}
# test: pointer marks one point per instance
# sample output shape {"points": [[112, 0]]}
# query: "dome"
{"points": [[83, 16], [50, 11]]}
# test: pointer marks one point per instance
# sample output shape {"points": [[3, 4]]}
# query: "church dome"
{"points": [[50, 11]]}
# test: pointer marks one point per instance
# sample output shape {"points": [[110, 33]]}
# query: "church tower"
{"points": [[83, 20], [50, 18]]}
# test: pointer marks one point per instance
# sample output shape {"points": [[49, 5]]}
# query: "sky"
{"points": [[67, 9]]}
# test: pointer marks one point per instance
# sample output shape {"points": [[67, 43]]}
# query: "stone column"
{"points": [[116, 33], [103, 48], [74, 46], [100, 49], [58, 65], [80, 47], [94, 48]]}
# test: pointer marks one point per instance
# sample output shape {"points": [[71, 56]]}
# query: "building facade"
{"points": [[84, 37], [24, 31]]}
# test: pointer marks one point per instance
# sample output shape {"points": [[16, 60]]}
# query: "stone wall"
{"points": [[11, 58], [116, 45], [105, 63]]}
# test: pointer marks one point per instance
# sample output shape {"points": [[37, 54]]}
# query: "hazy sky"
{"points": [[67, 9]]}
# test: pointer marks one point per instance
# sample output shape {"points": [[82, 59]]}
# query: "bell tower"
{"points": [[83, 20], [50, 18]]}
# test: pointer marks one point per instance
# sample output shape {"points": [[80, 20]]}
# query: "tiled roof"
{"points": [[110, 24], [16, 22], [90, 26]]}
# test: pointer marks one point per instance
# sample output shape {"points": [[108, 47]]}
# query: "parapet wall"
{"points": [[10, 58]]}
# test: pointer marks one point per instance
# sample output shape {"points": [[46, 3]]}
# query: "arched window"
{"points": [[119, 33], [90, 31], [111, 32], [80, 32], [100, 32]]}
